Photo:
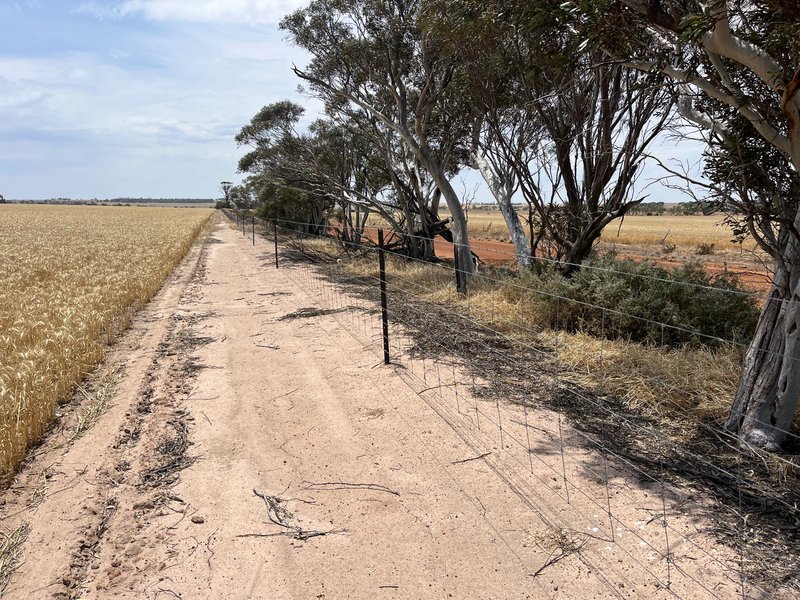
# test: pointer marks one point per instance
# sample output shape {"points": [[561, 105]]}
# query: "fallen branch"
{"points": [[566, 548], [550, 562], [298, 534], [466, 460], [344, 485], [284, 395], [279, 515]]}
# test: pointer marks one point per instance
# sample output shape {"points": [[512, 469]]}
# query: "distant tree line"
{"points": [[661, 208]]}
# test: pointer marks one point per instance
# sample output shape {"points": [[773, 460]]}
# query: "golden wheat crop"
{"points": [[70, 278], [685, 232]]}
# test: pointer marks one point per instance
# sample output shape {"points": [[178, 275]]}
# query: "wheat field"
{"points": [[72, 276], [684, 232]]}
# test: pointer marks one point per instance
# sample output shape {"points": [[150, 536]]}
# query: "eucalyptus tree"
{"points": [[373, 55], [737, 65], [563, 126], [410, 202], [417, 199], [276, 163], [474, 39], [225, 187], [342, 163]]}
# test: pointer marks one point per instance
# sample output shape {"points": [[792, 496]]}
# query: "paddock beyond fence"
{"points": [[620, 487]]}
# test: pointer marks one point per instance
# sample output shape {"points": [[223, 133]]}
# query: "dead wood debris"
{"points": [[108, 511], [466, 460], [297, 389], [98, 402], [562, 544], [174, 449], [307, 313], [280, 515], [329, 486]]}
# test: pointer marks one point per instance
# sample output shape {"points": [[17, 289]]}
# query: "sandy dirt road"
{"points": [[254, 451]]}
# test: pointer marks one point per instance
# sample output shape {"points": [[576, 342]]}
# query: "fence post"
{"points": [[254, 230], [384, 303], [275, 229]]}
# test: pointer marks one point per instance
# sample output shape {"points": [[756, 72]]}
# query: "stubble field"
{"points": [[71, 279]]}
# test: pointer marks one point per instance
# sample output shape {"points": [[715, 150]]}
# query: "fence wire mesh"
{"points": [[672, 497]]}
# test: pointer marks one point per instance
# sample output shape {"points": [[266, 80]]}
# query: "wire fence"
{"points": [[673, 498]]}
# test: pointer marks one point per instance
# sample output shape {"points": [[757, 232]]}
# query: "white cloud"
{"points": [[198, 11], [155, 117]]}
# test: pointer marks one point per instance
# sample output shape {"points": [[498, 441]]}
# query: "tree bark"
{"points": [[459, 228], [766, 400], [459, 219], [502, 196]]}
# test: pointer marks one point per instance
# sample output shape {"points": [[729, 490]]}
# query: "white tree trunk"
{"points": [[459, 219], [766, 400], [459, 227], [502, 195]]}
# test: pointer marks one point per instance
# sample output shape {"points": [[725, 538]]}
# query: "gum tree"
{"points": [[737, 66], [373, 55], [557, 121]]}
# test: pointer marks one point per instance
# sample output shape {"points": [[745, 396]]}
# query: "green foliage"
{"points": [[695, 25], [648, 208], [292, 208], [626, 299], [687, 208]]}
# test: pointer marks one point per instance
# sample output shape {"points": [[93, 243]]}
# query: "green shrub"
{"points": [[630, 300]]}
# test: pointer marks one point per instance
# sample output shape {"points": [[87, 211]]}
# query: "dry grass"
{"points": [[685, 233], [699, 382], [10, 547], [72, 277], [96, 403]]}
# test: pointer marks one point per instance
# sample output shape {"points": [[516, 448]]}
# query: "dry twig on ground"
{"points": [[281, 516], [344, 485]]}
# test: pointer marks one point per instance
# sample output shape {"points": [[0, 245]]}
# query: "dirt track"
{"points": [[249, 456]]}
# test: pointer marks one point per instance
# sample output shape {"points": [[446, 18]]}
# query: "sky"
{"points": [[142, 98], [134, 98]]}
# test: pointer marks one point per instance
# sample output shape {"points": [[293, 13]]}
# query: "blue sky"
{"points": [[144, 97], [141, 98]]}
